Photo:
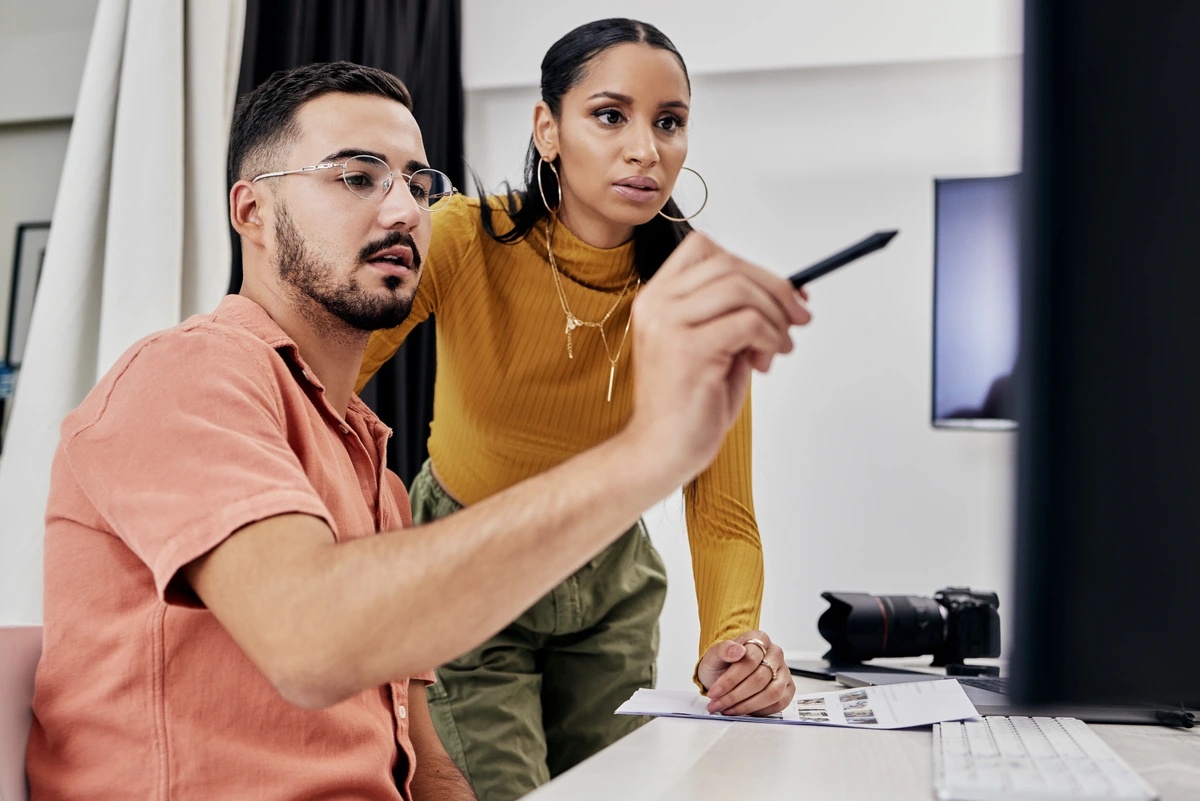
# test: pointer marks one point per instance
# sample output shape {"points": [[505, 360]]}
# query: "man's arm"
{"points": [[324, 621], [436, 776]]}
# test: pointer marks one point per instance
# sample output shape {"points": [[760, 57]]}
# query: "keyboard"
{"points": [[1019, 758], [996, 684]]}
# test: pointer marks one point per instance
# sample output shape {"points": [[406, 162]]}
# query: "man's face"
{"points": [[336, 253]]}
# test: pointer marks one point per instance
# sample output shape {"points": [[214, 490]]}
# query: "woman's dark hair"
{"points": [[563, 68], [265, 118]]}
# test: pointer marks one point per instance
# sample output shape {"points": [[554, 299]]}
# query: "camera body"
{"points": [[957, 623]]}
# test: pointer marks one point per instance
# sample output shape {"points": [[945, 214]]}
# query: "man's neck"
{"points": [[331, 349]]}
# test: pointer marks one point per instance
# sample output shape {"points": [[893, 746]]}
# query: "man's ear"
{"points": [[545, 131], [245, 212]]}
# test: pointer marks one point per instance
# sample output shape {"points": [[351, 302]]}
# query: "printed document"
{"points": [[889, 706]]}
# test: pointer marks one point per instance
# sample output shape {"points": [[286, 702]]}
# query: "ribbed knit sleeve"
{"points": [[727, 559]]}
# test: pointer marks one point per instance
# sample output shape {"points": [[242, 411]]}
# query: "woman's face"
{"points": [[621, 140]]}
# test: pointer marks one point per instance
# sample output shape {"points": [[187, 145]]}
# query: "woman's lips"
{"points": [[638, 194]]}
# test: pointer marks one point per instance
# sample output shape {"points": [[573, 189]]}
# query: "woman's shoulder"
{"points": [[458, 212], [461, 203], [502, 208], [463, 212]]}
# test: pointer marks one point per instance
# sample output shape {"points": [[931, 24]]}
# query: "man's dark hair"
{"points": [[265, 118]]}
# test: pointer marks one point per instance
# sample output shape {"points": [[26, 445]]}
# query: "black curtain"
{"points": [[419, 41]]}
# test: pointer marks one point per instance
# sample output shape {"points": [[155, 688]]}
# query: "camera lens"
{"points": [[859, 626]]}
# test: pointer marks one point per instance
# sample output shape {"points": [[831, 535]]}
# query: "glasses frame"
{"points": [[392, 174]]}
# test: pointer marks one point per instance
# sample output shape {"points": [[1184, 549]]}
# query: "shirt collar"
{"points": [[247, 314]]}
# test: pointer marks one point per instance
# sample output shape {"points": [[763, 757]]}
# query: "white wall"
{"points": [[31, 160], [42, 49], [503, 42], [854, 489]]}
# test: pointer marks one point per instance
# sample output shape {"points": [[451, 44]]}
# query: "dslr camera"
{"points": [[957, 623]]}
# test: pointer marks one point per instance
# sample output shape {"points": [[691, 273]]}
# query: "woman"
{"points": [[532, 293]]}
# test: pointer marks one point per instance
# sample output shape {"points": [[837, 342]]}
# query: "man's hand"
{"points": [[746, 676], [701, 326]]}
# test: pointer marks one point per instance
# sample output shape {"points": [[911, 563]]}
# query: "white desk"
{"points": [[675, 759]]}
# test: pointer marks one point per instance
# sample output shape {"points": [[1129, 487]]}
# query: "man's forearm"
{"points": [[439, 779], [415, 599], [436, 776], [326, 620]]}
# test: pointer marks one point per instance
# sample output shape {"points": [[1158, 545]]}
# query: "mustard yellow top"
{"points": [[509, 403]]}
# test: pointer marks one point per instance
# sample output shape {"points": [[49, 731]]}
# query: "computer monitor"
{"points": [[1107, 570], [975, 302]]}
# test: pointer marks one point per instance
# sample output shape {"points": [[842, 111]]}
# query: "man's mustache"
{"points": [[390, 241]]}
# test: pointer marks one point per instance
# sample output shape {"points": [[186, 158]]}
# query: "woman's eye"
{"points": [[608, 116], [671, 123]]}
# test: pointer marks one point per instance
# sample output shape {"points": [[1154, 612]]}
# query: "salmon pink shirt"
{"points": [[196, 432]]}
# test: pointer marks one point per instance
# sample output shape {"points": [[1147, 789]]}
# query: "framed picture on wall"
{"points": [[28, 256]]}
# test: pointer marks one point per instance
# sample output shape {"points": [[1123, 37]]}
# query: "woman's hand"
{"points": [[746, 676]]}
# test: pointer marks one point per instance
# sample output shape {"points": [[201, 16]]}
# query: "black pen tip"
{"points": [[887, 236]]}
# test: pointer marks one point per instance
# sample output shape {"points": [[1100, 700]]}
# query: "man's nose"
{"points": [[398, 208]]}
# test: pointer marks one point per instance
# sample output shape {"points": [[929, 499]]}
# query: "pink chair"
{"points": [[20, 649]]}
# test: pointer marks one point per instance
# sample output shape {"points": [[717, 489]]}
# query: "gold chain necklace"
{"points": [[574, 322]]}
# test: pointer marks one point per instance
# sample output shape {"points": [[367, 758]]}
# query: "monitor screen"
{"points": [[1107, 569], [975, 302]]}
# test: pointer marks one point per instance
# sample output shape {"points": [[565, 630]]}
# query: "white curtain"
{"points": [[139, 237]]}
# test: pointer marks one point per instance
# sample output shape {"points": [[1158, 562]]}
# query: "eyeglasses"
{"points": [[371, 178]]}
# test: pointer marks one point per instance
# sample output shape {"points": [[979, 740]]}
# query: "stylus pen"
{"points": [[856, 251]]}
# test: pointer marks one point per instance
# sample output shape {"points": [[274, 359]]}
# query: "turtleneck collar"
{"points": [[600, 268]]}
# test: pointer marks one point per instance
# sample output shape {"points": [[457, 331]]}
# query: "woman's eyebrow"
{"points": [[627, 100]]}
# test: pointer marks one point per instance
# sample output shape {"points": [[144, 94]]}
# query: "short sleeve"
{"points": [[427, 678], [186, 444]]}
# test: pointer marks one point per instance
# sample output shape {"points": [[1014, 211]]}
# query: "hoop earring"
{"points": [[702, 205], [542, 192]]}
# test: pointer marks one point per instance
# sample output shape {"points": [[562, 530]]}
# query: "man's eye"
{"points": [[418, 191], [357, 180]]}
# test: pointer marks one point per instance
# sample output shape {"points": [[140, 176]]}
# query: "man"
{"points": [[233, 609]]}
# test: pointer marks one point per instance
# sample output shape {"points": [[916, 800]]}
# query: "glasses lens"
{"points": [[430, 188], [366, 176]]}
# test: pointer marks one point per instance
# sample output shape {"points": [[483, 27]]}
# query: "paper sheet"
{"points": [[889, 706]]}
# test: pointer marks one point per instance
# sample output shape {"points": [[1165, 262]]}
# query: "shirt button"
{"points": [[401, 711]]}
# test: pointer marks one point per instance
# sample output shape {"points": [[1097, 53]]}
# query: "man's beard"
{"points": [[309, 278]]}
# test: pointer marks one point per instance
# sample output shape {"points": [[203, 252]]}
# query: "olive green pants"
{"points": [[538, 698]]}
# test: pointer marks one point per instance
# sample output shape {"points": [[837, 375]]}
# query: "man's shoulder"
{"points": [[199, 342], [186, 359]]}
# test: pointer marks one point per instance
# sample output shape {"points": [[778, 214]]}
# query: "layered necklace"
{"points": [[574, 322]]}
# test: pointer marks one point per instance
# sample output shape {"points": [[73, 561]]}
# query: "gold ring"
{"points": [[774, 670], [759, 643]]}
